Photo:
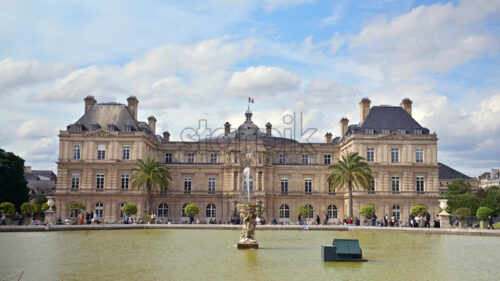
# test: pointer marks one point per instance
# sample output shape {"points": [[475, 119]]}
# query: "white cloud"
{"points": [[263, 79], [432, 38], [37, 128], [17, 74]]}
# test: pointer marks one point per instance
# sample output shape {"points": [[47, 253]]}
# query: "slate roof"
{"points": [[106, 114], [34, 174], [448, 173], [391, 118]]}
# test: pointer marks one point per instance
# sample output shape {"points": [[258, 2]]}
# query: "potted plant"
{"points": [[368, 211], [461, 214], [483, 213], [191, 210], [130, 209]]}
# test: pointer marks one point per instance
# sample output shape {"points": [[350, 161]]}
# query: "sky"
{"points": [[312, 61]]}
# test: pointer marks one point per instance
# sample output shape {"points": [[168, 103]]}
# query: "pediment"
{"points": [[100, 133], [394, 136]]}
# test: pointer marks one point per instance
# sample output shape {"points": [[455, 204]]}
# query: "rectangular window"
{"points": [[327, 159], [284, 185], [419, 155], [95, 127], [75, 181], [418, 131], [191, 158], [305, 159], [211, 184], [78, 128], [125, 181], [126, 152], [372, 187], [76, 151], [420, 184], [101, 152], [370, 154], [385, 131], [111, 128], [282, 158], [369, 131], [168, 157], [187, 184], [394, 155], [395, 184], [213, 158], [308, 185], [99, 181], [128, 128], [402, 131], [235, 180], [260, 181]]}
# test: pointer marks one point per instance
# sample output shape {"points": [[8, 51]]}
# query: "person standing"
{"points": [[3, 220], [326, 219], [386, 220], [490, 223], [318, 220], [374, 220]]}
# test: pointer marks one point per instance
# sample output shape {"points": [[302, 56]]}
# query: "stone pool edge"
{"points": [[453, 231]]}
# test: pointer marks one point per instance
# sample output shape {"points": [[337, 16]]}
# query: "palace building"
{"points": [[98, 151]]}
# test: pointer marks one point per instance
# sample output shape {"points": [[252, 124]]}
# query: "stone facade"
{"points": [[208, 172]]}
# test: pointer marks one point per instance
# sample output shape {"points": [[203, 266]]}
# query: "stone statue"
{"points": [[248, 214]]}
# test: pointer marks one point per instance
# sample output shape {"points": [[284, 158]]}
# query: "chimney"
{"points": [[152, 124], [166, 136], [132, 106], [344, 124], [89, 102], [406, 105], [328, 137], [227, 129], [364, 109], [269, 127], [27, 169]]}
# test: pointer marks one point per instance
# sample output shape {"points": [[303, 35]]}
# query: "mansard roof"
{"points": [[35, 174], [448, 173], [391, 118], [109, 114]]}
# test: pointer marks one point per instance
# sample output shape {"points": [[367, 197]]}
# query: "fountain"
{"points": [[248, 213]]}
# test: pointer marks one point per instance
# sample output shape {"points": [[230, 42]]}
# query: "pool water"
{"points": [[173, 254]]}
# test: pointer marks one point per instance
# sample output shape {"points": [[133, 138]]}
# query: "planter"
{"points": [[483, 224]]}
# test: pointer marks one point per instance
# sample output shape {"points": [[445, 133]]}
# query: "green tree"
{"points": [[492, 200], [7, 208], [458, 186], [352, 170], [152, 174], [483, 213], [192, 210], [30, 208], [77, 205], [367, 211], [304, 211], [462, 213], [130, 209], [13, 187], [418, 210]]}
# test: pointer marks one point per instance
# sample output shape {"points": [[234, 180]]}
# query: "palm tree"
{"points": [[152, 174], [351, 169]]}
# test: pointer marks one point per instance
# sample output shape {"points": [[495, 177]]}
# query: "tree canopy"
{"points": [[7, 208], [418, 210], [304, 211], [367, 211], [483, 213], [130, 209], [13, 187], [192, 210], [30, 208]]}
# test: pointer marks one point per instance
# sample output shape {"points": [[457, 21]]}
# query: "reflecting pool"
{"points": [[173, 254]]}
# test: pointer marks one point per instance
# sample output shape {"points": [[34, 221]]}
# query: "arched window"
{"points": [[184, 210], [312, 211], [211, 211], [99, 209], [250, 181], [332, 212], [121, 209], [284, 212], [396, 212], [163, 210], [73, 213]]}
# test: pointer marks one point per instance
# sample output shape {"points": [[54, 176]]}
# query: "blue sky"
{"points": [[186, 60]]}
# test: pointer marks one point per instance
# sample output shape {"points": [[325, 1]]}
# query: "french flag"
{"points": [[250, 100]]}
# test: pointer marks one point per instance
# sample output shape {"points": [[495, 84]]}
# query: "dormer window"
{"points": [[78, 128], [95, 127], [385, 131], [128, 128], [418, 131], [111, 128], [369, 131], [402, 131]]}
